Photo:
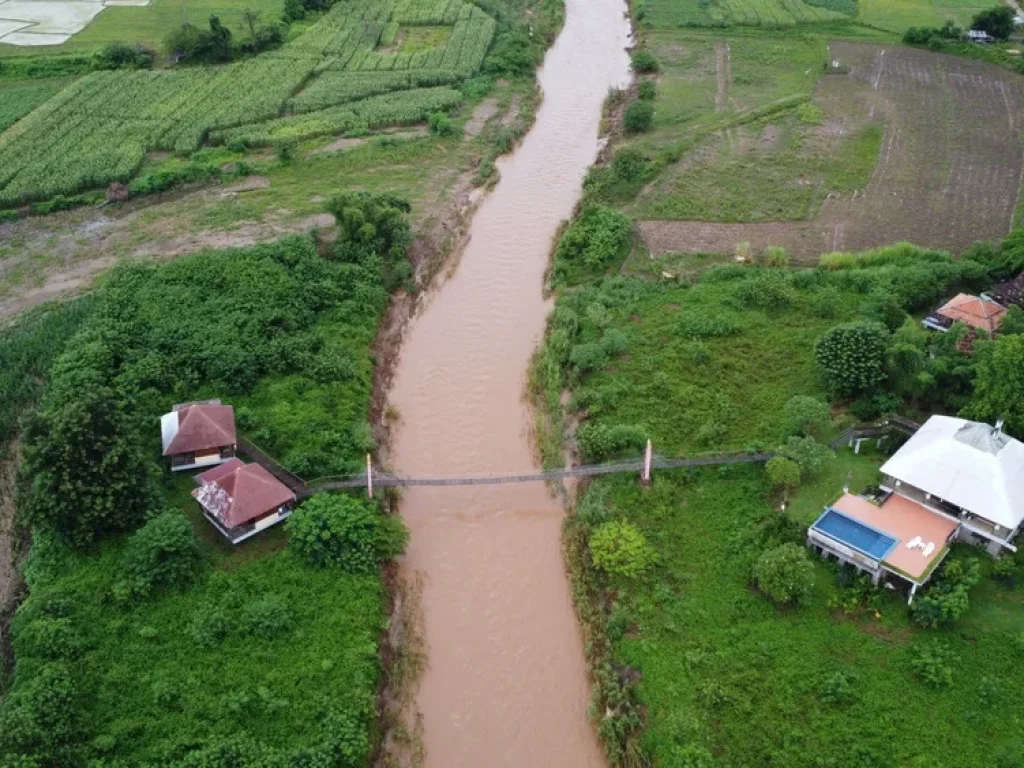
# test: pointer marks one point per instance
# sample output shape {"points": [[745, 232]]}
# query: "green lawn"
{"points": [[721, 669]]}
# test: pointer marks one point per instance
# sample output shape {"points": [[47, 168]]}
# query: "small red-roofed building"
{"points": [[242, 499], [979, 312], [198, 434]]}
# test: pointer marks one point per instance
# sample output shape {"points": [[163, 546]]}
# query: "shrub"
{"points": [[851, 358], [783, 473], [287, 149], [619, 548], [639, 116], [933, 664], [587, 357], [162, 553], [785, 574], [441, 124], [345, 532], [41, 718], [629, 165], [765, 291], [477, 87], [882, 306], [614, 342], [947, 599], [774, 256], [210, 626], [644, 61], [838, 689], [118, 55], [598, 442], [48, 637], [807, 453], [1005, 570], [598, 237], [267, 617], [647, 90], [806, 415]]}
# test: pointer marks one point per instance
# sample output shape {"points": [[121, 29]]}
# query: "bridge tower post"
{"points": [[369, 476], [645, 478]]}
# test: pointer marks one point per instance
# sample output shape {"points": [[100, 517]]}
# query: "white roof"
{"points": [[966, 463]]}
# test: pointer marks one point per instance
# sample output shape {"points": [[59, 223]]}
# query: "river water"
{"points": [[506, 682]]}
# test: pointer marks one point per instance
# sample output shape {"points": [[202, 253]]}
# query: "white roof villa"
{"points": [[952, 479]]}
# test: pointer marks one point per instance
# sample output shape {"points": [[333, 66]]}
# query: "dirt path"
{"points": [[506, 682], [948, 173], [723, 74]]}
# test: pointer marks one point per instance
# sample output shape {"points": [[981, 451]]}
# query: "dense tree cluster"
{"points": [[221, 321]]}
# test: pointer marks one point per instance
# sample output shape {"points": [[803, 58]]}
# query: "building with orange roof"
{"points": [[979, 312], [198, 434], [242, 499]]}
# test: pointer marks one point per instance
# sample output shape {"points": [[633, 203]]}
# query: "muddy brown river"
{"points": [[506, 682]]}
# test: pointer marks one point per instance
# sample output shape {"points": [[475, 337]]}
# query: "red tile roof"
{"points": [[236, 493], [973, 311], [202, 427]]}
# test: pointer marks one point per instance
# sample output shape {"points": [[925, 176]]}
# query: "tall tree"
{"points": [[999, 384], [88, 476]]}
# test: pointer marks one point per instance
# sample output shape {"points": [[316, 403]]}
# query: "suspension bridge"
{"points": [[643, 466], [373, 478]]}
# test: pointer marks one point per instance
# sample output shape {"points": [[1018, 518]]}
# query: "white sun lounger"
{"points": [[929, 549], [914, 542]]}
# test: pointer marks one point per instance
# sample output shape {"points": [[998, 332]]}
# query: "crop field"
{"points": [[948, 165], [897, 15], [148, 23], [19, 98], [770, 14], [100, 129]]}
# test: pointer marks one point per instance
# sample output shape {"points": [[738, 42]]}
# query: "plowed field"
{"points": [[948, 172]]}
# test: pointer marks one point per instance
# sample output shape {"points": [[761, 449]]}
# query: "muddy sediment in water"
{"points": [[506, 681]]}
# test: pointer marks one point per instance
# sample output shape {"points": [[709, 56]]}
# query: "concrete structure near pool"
{"points": [[953, 479]]}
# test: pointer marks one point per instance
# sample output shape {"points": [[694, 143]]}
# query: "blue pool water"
{"points": [[855, 534]]}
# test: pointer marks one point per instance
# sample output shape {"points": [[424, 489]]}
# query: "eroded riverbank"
{"points": [[506, 681]]}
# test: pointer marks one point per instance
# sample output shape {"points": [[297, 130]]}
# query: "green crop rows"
{"points": [[400, 108], [99, 129], [751, 13]]}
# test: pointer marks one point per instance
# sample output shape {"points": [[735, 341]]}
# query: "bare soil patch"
{"points": [[484, 111], [948, 174], [724, 75]]}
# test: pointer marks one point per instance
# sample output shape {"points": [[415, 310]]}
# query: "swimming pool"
{"points": [[855, 534]]}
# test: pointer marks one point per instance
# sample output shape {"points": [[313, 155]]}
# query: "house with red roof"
{"points": [[979, 312], [241, 499], [198, 434]]}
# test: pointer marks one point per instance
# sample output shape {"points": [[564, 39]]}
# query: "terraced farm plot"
{"points": [[948, 171], [99, 130]]}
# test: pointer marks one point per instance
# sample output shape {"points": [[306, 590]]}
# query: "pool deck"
{"points": [[904, 520]]}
